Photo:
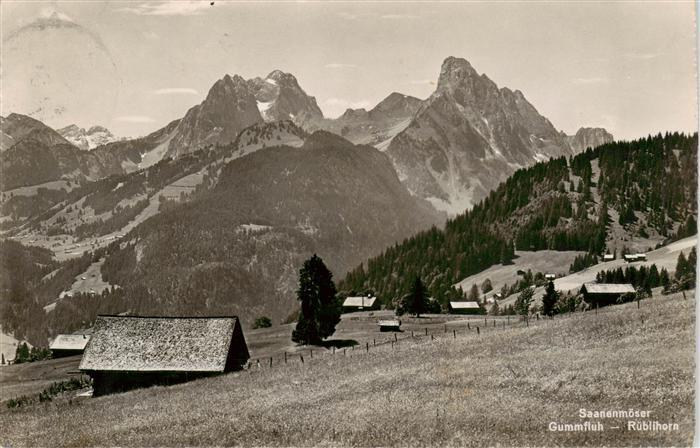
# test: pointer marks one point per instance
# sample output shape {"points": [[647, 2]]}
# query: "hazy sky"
{"points": [[134, 66]]}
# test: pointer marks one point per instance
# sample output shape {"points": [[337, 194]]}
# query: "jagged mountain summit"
{"points": [[234, 104], [589, 138], [468, 136], [87, 139], [279, 97], [451, 149]]}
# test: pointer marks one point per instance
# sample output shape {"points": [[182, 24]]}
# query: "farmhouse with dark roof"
{"points": [[127, 352]]}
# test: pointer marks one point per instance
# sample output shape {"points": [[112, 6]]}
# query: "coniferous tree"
{"points": [[415, 302], [681, 267], [523, 302], [320, 311], [549, 300], [494, 308], [474, 293], [22, 353]]}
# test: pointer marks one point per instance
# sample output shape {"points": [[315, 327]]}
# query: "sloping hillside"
{"points": [[545, 261], [501, 387], [664, 258]]}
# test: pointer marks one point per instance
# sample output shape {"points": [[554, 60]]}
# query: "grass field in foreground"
{"points": [[502, 387]]}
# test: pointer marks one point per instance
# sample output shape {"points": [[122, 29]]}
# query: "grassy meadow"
{"points": [[501, 387]]}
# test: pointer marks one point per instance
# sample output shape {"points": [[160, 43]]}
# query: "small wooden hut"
{"points": [[465, 308], [68, 345], [360, 303], [601, 294], [389, 325]]}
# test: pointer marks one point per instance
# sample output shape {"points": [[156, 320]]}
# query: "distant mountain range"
{"points": [[87, 139], [450, 149]]}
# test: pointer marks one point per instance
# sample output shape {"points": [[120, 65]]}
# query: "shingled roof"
{"points": [[128, 343], [70, 342], [464, 305], [360, 301], [609, 288]]}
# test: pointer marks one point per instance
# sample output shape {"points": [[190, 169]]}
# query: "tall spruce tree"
{"points": [[320, 311], [549, 300], [416, 301], [522, 303]]}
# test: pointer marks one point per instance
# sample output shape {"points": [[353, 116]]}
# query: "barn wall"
{"points": [[238, 353], [110, 382], [64, 353]]}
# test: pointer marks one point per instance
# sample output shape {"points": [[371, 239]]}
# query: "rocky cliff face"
{"points": [[589, 138], [234, 104], [230, 107], [468, 136], [280, 97]]}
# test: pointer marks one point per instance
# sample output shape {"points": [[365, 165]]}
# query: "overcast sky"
{"points": [[134, 66]]}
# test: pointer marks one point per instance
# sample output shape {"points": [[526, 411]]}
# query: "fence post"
{"points": [[454, 334], [508, 319], [494, 323], [477, 329], [334, 350], [344, 352], [312, 353], [445, 328], [411, 333], [285, 357], [367, 347], [392, 345], [396, 339], [637, 302], [270, 361], [683, 292], [426, 331], [432, 337], [596, 309], [375, 342], [301, 357], [468, 326], [485, 323], [537, 316]]}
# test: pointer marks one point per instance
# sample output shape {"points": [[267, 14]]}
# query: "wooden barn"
{"points": [[68, 345], [465, 308], [127, 352], [360, 303], [602, 294]]}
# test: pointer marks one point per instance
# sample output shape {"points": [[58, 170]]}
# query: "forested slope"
{"points": [[558, 204]]}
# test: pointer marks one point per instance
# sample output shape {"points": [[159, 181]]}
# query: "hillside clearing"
{"points": [[545, 261], [664, 257], [502, 387]]}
